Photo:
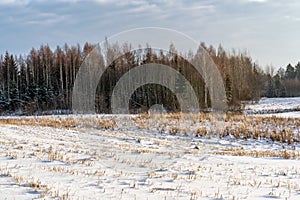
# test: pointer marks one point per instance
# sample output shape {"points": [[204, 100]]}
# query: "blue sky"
{"points": [[268, 29]]}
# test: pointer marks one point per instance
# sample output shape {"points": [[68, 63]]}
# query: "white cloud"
{"points": [[251, 24], [293, 18], [257, 1], [25, 2], [254, 1], [46, 19], [18, 2]]}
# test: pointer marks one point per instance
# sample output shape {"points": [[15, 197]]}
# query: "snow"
{"points": [[88, 163], [275, 103], [11, 190], [295, 114], [130, 162], [281, 107]]}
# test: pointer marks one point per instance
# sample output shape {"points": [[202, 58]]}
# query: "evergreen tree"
{"points": [[297, 71], [4, 104], [14, 101], [290, 72], [279, 88]]}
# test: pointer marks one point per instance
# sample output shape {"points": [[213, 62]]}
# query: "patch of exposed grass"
{"points": [[276, 129]]}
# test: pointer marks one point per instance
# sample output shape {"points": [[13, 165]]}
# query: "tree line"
{"points": [[283, 83], [43, 80]]}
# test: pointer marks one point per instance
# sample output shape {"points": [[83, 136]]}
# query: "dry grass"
{"points": [[286, 154], [63, 122], [283, 130], [36, 185], [31, 182]]}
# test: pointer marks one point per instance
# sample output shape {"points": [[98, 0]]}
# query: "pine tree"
{"points": [[297, 70], [290, 72], [14, 101], [4, 105]]}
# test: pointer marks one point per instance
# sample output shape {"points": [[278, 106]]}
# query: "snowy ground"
{"points": [[97, 164], [38, 162], [283, 107]]}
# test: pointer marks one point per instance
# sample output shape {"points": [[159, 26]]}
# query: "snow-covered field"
{"points": [[282, 107], [129, 162]]}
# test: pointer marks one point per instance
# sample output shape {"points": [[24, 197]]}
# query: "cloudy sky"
{"points": [[268, 29]]}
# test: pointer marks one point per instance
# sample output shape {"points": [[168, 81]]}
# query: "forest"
{"points": [[42, 80]]}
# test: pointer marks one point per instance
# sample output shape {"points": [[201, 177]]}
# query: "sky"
{"points": [[268, 30]]}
